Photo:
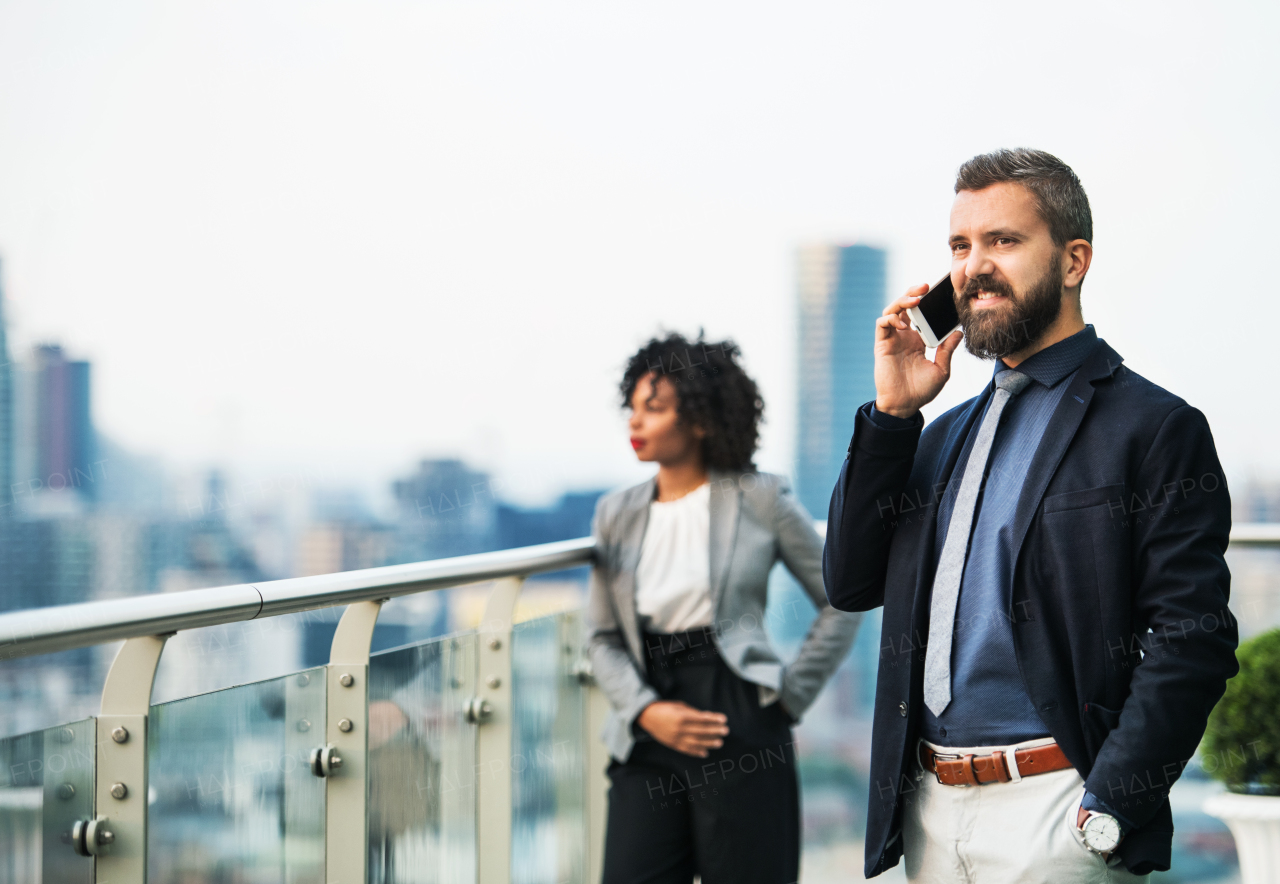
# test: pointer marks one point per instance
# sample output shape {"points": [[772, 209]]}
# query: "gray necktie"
{"points": [[946, 582]]}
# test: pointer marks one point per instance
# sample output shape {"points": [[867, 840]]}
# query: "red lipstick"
{"points": [[637, 443]]}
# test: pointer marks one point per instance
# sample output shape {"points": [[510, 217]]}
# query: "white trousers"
{"points": [[1000, 833]]}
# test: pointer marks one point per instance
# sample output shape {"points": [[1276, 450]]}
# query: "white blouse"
{"points": [[673, 579]]}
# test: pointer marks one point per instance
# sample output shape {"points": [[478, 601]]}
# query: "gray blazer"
{"points": [[755, 520]]}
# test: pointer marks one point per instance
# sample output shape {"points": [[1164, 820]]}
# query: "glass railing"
{"points": [[422, 763], [548, 753], [46, 792], [231, 791], [473, 758], [399, 767]]}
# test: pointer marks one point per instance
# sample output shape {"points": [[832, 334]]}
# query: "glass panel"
{"points": [[232, 793], [46, 784], [422, 755], [548, 762]]}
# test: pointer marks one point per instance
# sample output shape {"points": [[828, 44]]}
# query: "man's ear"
{"points": [[1079, 255]]}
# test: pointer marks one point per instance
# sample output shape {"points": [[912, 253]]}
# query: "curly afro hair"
{"points": [[713, 392]]}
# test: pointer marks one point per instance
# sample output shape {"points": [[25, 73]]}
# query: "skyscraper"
{"points": [[64, 438], [841, 292]]}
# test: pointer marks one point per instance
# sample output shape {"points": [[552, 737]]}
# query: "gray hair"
{"points": [[1060, 198]]}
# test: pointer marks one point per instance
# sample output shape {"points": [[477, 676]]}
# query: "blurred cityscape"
{"points": [[83, 518]]}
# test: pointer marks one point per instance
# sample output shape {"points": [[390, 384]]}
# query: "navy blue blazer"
{"points": [[1119, 598]]}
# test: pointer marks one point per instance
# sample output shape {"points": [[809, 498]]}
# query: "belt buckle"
{"points": [[947, 757]]}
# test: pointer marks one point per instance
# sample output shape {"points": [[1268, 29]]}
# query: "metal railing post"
{"points": [[117, 834], [343, 760], [493, 749]]}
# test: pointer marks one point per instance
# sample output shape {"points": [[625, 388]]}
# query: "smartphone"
{"points": [[934, 315]]}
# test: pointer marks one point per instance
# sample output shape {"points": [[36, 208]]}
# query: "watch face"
{"points": [[1101, 833]]}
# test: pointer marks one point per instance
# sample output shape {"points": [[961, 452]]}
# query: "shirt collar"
{"points": [[1055, 362]]}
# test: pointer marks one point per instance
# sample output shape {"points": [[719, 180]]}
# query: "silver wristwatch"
{"points": [[1101, 832]]}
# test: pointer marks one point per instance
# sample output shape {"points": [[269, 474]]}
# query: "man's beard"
{"points": [[993, 333]]}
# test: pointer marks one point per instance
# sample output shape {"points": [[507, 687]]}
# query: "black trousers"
{"points": [[732, 817]]}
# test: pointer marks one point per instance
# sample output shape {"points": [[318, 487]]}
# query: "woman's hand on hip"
{"points": [[679, 726]]}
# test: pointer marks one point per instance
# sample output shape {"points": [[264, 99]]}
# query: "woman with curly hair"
{"points": [[703, 775]]}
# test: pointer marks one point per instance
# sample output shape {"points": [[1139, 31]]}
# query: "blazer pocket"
{"points": [[1099, 723], [1086, 497]]}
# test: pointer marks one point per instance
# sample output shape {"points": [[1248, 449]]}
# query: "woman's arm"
{"points": [[832, 634], [611, 664]]}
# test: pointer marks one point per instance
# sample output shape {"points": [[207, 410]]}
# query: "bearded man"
{"points": [[1049, 555]]}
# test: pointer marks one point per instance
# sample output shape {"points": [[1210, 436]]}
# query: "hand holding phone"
{"points": [[905, 379], [935, 316]]}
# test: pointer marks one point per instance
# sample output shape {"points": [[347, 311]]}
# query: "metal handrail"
{"points": [[1256, 534], [64, 627]]}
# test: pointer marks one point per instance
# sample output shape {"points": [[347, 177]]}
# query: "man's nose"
{"points": [[978, 264]]}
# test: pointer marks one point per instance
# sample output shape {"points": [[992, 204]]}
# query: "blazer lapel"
{"points": [[725, 506], [632, 521], [1100, 363]]}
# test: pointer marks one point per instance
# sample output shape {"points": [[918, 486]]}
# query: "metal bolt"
{"points": [[478, 710], [582, 671], [346, 679], [66, 791], [493, 681], [902, 709], [335, 761], [119, 791], [66, 735], [495, 643], [303, 679], [303, 725], [105, 836], [76, 838], [120, 735], [345, 725]]}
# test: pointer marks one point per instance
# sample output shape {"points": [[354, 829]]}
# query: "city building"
{"points": [[53, 438], [840, 293], [567, 518], [446, 508]]}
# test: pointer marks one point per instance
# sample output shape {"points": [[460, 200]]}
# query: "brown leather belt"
{"points": [[974, 770]]}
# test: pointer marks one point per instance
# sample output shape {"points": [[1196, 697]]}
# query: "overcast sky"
{"points": [[335, 237]]}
